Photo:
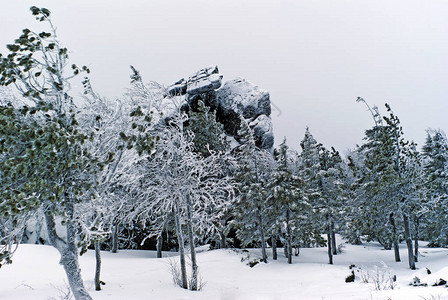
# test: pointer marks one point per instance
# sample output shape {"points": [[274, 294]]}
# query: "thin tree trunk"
{"points": [[180, 240], [159, 245], [330, 253], [261, 229], [274, 247], [222, 239], [333, 237], [98, 265], [69, 253], [407, 235], [288, 232], [395, 237], [194, 265], [114, 247], [417, 233]]}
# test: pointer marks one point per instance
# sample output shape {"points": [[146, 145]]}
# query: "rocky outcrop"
{"points": [[236, 98], [203, 81]]}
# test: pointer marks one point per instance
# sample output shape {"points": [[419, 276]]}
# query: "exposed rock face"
{"points": [[263, 131], [203, 81], [236, 98], [244, 98]]}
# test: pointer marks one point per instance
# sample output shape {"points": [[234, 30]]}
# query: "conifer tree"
{"points": [[53, 171], [288, 201], [208, 132], [307, 169], [435, 153], [252, 179]]}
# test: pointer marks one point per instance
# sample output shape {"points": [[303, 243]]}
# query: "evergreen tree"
{"points": [[208, 133], [288, 201], [53, 170], [332, 192], [252, 178], [307, 169], [435, 153]]}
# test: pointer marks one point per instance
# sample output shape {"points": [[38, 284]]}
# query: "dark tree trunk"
{"points": [[69, 252], [333, 238], [114, 247], [288, 233], [395, 237], [417, 233], [263, 241], [98, 265], [274, 247], [407, 235], [194, 265], [222, 239], [180, 240], [330, 252], [159, 244]]}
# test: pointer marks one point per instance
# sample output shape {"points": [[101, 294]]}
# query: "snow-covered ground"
{"points": [[131, 274]]}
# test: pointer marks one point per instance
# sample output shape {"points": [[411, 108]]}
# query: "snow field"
{"points": [[133, 274]]}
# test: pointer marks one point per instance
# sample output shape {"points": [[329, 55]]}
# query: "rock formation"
{"points": [[237, 97]]}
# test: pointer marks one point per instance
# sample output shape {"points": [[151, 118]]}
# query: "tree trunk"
{"points": [[194, 265], [159, 245], [274, 247], [329, 251], [98, 265], [263, 242], [69, 252], [180, 240], [407, 235], [114, 247], [222, 239], [288, 232], [333, 238], [395, 237], [417, 233]]}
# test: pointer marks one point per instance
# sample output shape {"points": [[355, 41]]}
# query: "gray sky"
{"points": [[314, 57]]}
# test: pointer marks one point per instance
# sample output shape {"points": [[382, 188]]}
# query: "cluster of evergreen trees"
{"points": [[114, 172]]}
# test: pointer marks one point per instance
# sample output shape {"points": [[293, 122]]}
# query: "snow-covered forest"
{"points": [[182, 170]]}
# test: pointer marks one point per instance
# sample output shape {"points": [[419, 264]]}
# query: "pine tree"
{"points": [[252, 179], [208, 133], [54, 171], [307, 169], [435, 153], [331, 188], [288, 201]]}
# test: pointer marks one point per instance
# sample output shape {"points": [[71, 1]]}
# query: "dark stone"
{"points": [[350, 278], [440, 282]]}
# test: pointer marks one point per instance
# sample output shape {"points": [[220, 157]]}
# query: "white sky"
{"points": [[314, 57]]}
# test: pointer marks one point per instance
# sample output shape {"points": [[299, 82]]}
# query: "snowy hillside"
{"points": [[131, 274]]}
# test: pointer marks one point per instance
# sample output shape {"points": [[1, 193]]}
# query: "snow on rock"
{"points": [[235, 99], [433, 279], [244, 98], [263, 131], [203, 81]]}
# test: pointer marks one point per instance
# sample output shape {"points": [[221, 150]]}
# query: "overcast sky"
{"points": [[314, 57]]}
